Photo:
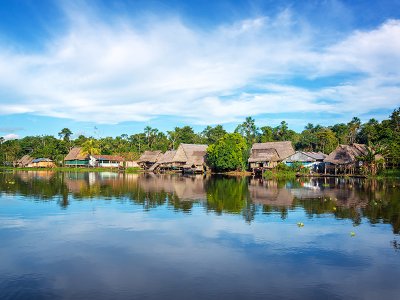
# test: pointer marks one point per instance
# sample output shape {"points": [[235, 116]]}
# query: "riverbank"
{"points": [[269, 174], [69, 169]]}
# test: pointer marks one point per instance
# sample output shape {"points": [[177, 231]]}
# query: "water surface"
{"points": [[129, 236]]}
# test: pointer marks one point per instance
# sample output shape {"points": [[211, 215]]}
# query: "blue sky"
{"points": [[106, 68]]}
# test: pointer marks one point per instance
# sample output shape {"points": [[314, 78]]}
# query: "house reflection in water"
{"points": [[351, 198]]}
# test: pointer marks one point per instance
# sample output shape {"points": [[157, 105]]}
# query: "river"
{"points": [[76, 235]]}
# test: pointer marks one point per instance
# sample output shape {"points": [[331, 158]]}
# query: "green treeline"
{"points": [[385, 134]]}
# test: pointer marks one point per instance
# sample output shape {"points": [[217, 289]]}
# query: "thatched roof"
{"points": [[24, 161], [271, 151], [190, 154], [76, 154], [346, 154], [167, 157], [108, 157], [150, 156]]}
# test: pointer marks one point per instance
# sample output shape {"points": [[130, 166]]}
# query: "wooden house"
{"points": [[164, 163], [75, 158], [268, 155], [42, 163], [23, 162], [149, 158], [189, 158], [107, 161], [312, 160], [345, 159]]}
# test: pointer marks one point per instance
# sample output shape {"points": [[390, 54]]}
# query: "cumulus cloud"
{"points": [[114, 72]]}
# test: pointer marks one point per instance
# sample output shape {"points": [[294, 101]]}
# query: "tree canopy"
{"points": [[228, 153], [314, 137]]}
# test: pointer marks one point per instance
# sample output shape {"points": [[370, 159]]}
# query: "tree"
{"points": [[228, 153], [248, 130], [368, 132], [267, 134], [327, 141], [91, 147], [353, 126], [373, 159], [65, 134], [213, 134], [184, 135], [341, 131]]}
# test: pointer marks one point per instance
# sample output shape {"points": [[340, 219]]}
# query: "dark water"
{"points": [[116, 236]]}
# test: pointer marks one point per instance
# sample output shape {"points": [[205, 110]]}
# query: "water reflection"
{"points": [[129, 236], [379, 201]]}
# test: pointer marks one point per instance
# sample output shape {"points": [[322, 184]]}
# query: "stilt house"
{"points": [[164, 163], [190, 158], [345, 159], [75, 158], [268, 155], [149, 158]]}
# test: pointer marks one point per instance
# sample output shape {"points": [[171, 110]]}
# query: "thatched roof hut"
{"points": [[148, 158], [271, 151], [165, 161], [190, 156], [167, 157], [75, 157], [76, 154], [269, 154], [346, 154], [24, 161]]}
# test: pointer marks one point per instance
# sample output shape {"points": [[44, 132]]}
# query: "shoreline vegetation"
{"points": [[272, 174], [227, 152]]}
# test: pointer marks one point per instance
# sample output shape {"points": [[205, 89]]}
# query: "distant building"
{"points": [[42, 163], [311, 160], [75, 158], [149, 158], [164, 162], [23, 162], [190, 158], [346, 159], [268, 155], [106, 161]]}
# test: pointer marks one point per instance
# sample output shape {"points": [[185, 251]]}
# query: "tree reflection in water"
{"points": [[376, 200]]}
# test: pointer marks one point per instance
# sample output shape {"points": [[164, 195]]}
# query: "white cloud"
{"points": [[110, 73], [11, 136]]}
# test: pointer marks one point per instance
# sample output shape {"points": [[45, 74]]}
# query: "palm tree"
{"points": [[373, 159], [91, 147]]}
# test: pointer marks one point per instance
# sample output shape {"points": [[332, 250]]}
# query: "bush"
{"points": [[228, 153]]}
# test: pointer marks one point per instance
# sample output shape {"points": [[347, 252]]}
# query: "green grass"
{"points": [[73, 169], [133, 170], [279, 175]]}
